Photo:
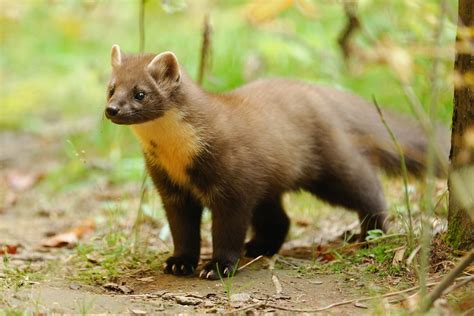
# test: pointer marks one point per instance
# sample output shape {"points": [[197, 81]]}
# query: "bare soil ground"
{"points": [[39, 279]]}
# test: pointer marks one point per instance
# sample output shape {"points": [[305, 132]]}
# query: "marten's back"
{"points": [[283, 126], [300, 120]]}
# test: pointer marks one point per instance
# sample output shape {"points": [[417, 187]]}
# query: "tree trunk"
{"points": [[460, 222]]}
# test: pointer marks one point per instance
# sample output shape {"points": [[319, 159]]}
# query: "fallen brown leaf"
{"points": [[8, 249], [61, 240], [70, 238]]}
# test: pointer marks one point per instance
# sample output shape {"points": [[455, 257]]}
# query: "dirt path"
{"points": [[34, 215], [169, 294], [38, 279]]}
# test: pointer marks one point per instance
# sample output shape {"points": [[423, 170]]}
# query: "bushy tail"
{"points": [[414, 143], [362, 121]]}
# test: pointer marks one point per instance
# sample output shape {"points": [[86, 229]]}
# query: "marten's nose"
{"points": [[111, 111]]}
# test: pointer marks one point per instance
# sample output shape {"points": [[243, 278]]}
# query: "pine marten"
{"points": [[236, 153]]}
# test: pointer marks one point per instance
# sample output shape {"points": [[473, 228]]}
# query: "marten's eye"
{"points": [[111, 91], [139, 95]]}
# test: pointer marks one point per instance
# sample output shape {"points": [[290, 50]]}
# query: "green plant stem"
{"points": [[403, 165], [141, 26], [426, 233], [205, 49], [417, 108], [139, 218], [141, 48]]}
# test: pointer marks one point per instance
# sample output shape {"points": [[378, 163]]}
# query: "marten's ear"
{"points": [[165, 67], [116, 56]]}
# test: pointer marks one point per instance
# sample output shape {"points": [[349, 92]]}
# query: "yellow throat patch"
{"points": [[170, 143]]}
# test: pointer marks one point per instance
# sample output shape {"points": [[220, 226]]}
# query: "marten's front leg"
{"points": [[184, 217], [229, 226]]}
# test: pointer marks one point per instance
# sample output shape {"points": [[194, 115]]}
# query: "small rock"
{"points": [[111, 286], [118, 288], [138, 312], [186, 300], [281, 297], [125, 289], [208, 304], [160, 293], [74, 286], [360, 305], [317, 282], [209, 295], [240, 297], [168, 296]]}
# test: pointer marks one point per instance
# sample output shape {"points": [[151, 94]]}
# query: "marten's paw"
{"points": [[217, 269], [255, 248], [179, 265]]}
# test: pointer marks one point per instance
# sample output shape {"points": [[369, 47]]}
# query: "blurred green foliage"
{"points": [[55, 57]]}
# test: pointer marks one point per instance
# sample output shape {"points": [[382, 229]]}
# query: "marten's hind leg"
{"points": [[353, 184], [270, 225]]}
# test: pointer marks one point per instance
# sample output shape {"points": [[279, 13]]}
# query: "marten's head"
{"points": [[142, 87]]}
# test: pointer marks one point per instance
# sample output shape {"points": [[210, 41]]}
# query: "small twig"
{"points": [[249, 263], [274, 278], [277, 284], [285, 261], [352, 25], [139, 219], [447, 280], [456, 286], [441, 197], [412, 255], [205, 49]]}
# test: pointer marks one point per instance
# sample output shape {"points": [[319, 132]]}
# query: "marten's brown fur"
{"points": [[236, 153]]}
